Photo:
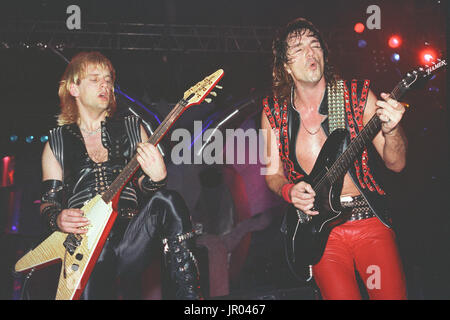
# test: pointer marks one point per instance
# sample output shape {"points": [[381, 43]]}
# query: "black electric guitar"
{"points": [[306, 236]]}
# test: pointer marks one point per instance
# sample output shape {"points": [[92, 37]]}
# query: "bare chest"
{"points": [[308, 147], [96, 151]]}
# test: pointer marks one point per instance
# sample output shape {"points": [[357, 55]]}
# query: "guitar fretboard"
{"points": [[132, 166], [355, 147]]}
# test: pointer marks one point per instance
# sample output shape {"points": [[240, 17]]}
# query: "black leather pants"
{"points": [[131, 245]]}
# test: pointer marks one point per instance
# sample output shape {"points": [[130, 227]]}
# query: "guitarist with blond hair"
{"points": [[296, 118], [84, 154]]}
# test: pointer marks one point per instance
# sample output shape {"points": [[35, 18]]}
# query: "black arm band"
{"points": [[52, 193], [149, 186]]}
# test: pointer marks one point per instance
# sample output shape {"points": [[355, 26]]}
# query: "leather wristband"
{"points": [[51, 191], [285, 190], [148, 185], [51, 213], [52, 194]]}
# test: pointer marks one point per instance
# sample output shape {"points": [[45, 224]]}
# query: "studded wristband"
{"points": [[149, 185], [51, 213]]}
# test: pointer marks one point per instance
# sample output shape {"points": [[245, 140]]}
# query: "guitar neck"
{"points": [[133, 165], [356, 146]]}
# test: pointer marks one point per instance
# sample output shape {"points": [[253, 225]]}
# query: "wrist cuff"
{"points": [[285, 190], [151, 186], [51, 214]]}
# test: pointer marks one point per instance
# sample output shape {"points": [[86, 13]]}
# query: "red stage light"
{"points": [[359, 27], [395, 41], [427, 56], [7, 178]]}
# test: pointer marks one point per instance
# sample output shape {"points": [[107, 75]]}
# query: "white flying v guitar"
{"points": [[79, 253]]}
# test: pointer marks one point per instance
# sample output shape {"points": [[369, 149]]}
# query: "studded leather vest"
{"points": [[82, 177], [366, 172]]}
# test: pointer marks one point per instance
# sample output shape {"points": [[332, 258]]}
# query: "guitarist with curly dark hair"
{"points": [[309, 102]]}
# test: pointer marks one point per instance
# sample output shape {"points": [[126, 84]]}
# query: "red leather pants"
{"points": [[369, 246]]}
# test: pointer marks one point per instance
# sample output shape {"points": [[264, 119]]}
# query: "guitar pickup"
{"points": [[72, 242]]}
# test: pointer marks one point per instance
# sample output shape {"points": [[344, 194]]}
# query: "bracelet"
{"points": [[51, 214], [148, 185], [285, 190]]}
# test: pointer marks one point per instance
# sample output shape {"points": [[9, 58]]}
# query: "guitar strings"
{"points": [[131, 167], [324, 175]]}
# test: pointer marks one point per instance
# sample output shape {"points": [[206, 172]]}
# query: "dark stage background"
{"points": [[160, 49]]}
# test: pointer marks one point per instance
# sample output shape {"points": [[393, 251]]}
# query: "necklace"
{"points": [[311, 133], [293, 106], [90, 133]]}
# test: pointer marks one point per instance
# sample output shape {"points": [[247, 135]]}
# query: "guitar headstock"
{"points": [[421, 73], [199, 92]]}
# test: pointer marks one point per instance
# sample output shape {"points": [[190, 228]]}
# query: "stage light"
{"points": [[13, 138], [427, 56], [359, 27], [362, 43], [44, 139], [434, 89], [395, 41], [29, 139], [7, 177], [395, 57]]}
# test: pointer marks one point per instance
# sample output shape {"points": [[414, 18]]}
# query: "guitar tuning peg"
{"points": [[208, 100], [219, 87], [213, 94]]}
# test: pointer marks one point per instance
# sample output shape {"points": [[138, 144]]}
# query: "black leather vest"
{"points": [[377, 202], [82, 177]]}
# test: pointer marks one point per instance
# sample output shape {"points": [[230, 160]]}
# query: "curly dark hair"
{"points": [[281, 80]]}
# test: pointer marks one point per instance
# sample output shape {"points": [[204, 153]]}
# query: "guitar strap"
{"points": [[336, 106]]}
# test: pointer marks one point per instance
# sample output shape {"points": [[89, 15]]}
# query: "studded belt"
{"points": [[128, 213], [359, 208]]}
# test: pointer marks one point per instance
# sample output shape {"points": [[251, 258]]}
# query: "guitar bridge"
{"points": [[72, 242]]}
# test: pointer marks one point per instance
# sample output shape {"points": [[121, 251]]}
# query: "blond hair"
{"points": [[74, 73]]}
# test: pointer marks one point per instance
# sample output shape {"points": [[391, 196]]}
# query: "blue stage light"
{"points": [[29, 139], [362, 43], [395, 57]]}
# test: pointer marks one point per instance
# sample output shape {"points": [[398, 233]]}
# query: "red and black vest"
{"points": [[366, 170]]}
